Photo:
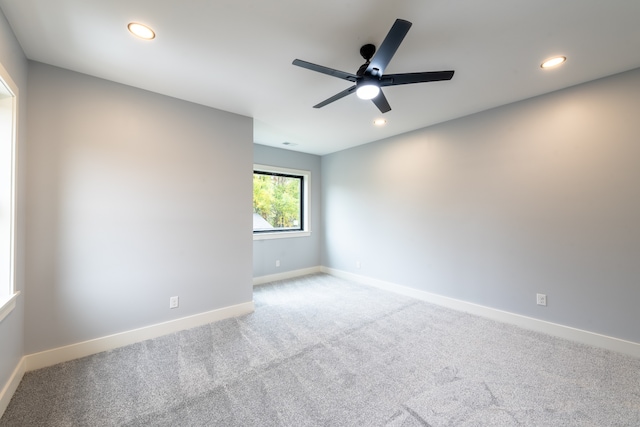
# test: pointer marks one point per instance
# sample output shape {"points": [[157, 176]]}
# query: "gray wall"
{"points": [[12, 327], [133, 197], [298, 252], [538, 196]]}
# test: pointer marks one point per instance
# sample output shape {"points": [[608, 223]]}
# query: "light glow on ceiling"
{"points": [[141, 30], [553, 62], [379, 122]]}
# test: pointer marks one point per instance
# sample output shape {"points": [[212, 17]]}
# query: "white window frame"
{"points": [[306, 203], [8, 293]]}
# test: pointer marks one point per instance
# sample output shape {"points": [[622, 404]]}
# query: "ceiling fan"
{"points": [[370, 78]]}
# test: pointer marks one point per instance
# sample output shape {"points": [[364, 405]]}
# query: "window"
{"points": [[280, 202], [8, 102]]}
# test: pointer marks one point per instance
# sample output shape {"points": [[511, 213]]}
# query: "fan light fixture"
{"points": [[553, 62], [367, 91], [141, 30]]}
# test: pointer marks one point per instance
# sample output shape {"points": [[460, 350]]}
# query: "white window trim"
{"points": [[8, 296], [7, 306], [306, 203]]}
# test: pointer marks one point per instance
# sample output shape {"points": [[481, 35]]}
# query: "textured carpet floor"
{"points": [[320, 351]]}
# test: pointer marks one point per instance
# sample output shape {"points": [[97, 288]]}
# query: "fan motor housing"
{"points": [[367, 51]]}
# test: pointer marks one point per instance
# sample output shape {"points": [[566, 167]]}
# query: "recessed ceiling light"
{"points": [[553, 62], [141, 30], [379, 122]]}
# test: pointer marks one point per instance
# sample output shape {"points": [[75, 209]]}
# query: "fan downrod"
{"points": [[367, 52]]}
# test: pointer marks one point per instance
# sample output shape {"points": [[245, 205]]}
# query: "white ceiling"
{"points": [[235, 55]]}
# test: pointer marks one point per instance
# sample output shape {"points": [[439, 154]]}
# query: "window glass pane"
{"points": [[277, 202]]}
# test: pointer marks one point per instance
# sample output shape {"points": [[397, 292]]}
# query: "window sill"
{"points": [[7, 304], [281, 235]]}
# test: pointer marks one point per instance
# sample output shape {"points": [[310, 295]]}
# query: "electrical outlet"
{"points": [[173, 302], [541, 299], [277, 263]]}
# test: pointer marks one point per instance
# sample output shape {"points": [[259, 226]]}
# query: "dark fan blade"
{"points": [[408, 78], [382, 103], [336, 97], [389, 46], [325, 70]]}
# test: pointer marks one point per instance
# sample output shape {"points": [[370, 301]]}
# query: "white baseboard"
{"points": [[530, 323], [11, 386], [286, 275], [87, 348]]}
